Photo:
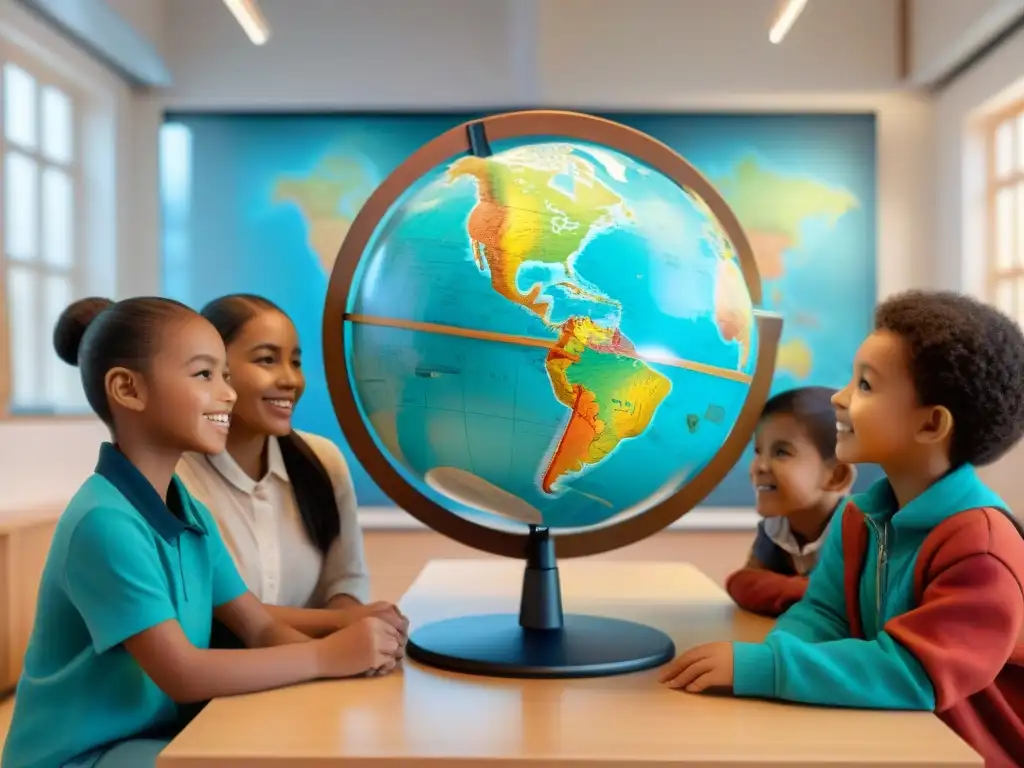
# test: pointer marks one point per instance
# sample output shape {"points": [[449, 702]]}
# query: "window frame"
{"points": [[78, 270], [997, 277]]}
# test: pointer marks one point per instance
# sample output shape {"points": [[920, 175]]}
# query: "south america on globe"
{"points": [[550, 334]]}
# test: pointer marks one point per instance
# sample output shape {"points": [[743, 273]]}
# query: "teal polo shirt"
{"points": [[121, 562]]}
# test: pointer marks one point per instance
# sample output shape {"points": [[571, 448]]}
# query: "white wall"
{"points": [[352, 54], [946, 32], [587, 54]]}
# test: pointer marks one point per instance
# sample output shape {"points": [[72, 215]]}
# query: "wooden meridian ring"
{"points": [[454, 143]]}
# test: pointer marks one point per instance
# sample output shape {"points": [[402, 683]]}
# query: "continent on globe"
{"points": [[328, 200], [772, 208], [734, 311], [536, 205], [612, 395]]}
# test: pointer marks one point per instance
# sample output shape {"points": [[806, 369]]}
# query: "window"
{"points": [[1006, 211], [40, 228]]}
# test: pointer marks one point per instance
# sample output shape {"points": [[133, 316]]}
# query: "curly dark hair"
{"points": [[968, 357]]}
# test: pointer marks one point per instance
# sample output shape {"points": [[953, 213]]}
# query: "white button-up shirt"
{"points": [[262, 528]]}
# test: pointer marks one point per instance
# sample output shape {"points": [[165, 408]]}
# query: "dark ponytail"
{"points": [[314, 491], [98, 335]]}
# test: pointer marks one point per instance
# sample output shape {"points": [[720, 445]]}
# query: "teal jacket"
{"points": [[811, 656]]}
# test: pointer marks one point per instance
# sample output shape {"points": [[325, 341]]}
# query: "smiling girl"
{"points": [[137, 572], [283, 499]]}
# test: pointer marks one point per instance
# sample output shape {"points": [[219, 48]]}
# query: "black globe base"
{"points": [[499, 646], [541, 641]]}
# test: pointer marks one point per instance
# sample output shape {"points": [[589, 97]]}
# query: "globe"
{"points": [[541, 331]]}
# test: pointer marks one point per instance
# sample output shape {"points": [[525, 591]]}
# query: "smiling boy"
{"points": [[916, 602], [798, 485]]}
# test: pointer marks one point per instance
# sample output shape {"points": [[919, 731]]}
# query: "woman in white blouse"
{"points": [[283, 499]]}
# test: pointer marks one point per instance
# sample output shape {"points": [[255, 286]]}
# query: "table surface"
{"points": [[422, 716]]}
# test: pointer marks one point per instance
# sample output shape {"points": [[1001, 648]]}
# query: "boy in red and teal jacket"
{"points": [[917, 602]]}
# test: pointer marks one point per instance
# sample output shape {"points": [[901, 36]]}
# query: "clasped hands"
{"points": [[383, 610], [705, 667], [389, 614]]}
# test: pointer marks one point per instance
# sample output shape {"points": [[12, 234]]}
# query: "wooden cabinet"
{"points": [[24, 544]]}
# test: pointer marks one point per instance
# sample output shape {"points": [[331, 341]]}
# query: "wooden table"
{"points": [[423, 717]]}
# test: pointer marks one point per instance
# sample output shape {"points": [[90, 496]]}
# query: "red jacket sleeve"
{"points": [[970, 610], [764, 592], [965, 627]]}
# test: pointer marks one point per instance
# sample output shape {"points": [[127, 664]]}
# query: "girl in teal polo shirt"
{"points": [[137, 569]]}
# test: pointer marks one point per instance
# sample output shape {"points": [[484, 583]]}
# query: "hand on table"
{"points": [[381, 609], [370, 645], [706, 666]]}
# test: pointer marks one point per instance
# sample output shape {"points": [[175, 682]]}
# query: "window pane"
{"points": [[58, 218], [21, 212], [20, 118], [57, 131], [1004, 148], [57, 377], [24, 334], [1004, 297], [1004, 228]]}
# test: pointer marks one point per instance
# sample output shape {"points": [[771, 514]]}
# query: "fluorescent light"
{"points": [[247, 14], [791, 10]]}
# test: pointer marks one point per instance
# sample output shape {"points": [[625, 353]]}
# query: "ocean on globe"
{"points": [[554, 334]]}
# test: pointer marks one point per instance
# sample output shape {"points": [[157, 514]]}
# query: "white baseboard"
{"points": [[700, 519]]}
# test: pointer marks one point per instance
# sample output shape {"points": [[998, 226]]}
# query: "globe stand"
{"points": [[542, 641]]}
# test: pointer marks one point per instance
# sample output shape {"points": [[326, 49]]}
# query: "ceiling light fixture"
{"points": [[787, 15], [248, 15]]}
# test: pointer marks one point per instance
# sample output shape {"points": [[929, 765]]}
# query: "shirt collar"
{"points": [[228, 468], [140, 493], [781, 533]]}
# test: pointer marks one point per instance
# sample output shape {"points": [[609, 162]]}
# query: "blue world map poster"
{"points": [[261, 203]]}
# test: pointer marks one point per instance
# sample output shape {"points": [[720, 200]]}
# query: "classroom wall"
{"points": [[944, 33]]}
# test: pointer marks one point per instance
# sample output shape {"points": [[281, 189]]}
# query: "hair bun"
{"points": [[72, 324]]}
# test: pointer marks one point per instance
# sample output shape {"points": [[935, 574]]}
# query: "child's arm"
{"points": [[312, 622], [114, 578], [189, 674], [960, 636], [754, 588], [759, 586], [255, 624]]}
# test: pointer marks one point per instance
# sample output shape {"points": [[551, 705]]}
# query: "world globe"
{"points": [[541, 336]]}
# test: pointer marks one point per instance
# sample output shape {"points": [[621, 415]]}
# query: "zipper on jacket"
{"points": [[881, 571]]}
